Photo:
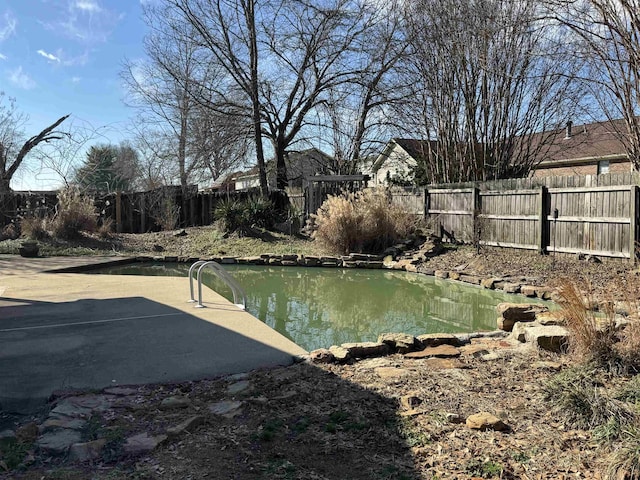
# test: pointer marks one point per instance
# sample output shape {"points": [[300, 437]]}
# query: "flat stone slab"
{"points": [[441, 351], [142, 443], [226, 408], [58, 442]]}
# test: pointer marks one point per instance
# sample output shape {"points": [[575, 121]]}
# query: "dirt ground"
{"points": [[383, 418]]}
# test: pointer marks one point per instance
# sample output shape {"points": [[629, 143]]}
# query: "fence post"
{"points": [[633, 225], [119, 212], [426, 204], [542, 220], [143, 214]]}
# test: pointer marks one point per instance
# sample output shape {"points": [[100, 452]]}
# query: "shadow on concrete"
{"points": [[92, 344]]}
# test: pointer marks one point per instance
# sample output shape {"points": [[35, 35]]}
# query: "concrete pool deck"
{"points": [[63, 331]]}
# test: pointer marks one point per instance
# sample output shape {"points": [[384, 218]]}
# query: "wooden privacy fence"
{"points": [[600, 220]]}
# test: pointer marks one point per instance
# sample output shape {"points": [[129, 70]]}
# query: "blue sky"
{"points": [[65, 56]]}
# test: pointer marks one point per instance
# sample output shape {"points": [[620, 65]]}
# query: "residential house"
{"points": [[396, 161], [589, 149], [299, 165]]}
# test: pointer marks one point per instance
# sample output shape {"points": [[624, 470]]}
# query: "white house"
{"points": [[399, 157]]}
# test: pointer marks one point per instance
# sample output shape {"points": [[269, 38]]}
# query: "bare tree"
{"points": [[13, 148], [490, 75], [227, 30], [284, 57], [608, 37], [357, 111]]}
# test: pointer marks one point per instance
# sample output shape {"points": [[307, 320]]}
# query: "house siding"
{"points": [[591, 169]]}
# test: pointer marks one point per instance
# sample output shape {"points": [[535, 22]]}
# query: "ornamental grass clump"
{"points": [[75, 213], [360, 222]]}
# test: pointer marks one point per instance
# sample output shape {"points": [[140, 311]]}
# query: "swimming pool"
{"points": [[319, 307]]}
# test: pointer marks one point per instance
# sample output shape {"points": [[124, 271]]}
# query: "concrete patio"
{"points": [[79, 331]]}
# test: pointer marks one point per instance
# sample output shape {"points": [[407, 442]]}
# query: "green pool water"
{"points": [[319, 307]]}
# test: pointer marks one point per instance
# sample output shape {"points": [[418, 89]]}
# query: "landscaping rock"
{"points": [[454, 275], [27, 433], [399, 342], [519, 329], [550, 338], [226, 408], [171, 403], [366, 349], [441, 351], [142, 443], [441, 274], [472, 279], [550, 318], [321, 355], [490, 283], [58, 442], [485, 421], [511, 287], [340, 354], [238, 387], [62, 421], [510, 313], [437, 339], [187, 426], [528, 290], [84, 452], [121, 391]]}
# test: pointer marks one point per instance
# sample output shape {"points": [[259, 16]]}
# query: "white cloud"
{"points": [[75, 80], [48, 56], [85, 21], [3, 57], [90, 6], [21, 79], [7, 26]]}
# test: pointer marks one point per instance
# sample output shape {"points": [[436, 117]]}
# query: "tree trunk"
{"points": [[281, 169], [4, 185]]}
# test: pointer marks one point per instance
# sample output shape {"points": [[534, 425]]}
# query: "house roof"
{"points": [[587, 142], [416, 149], [293, 157]]}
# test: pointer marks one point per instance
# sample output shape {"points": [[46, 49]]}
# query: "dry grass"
{"points": [[592, 338], [33, 228], [361, 222], [76, 213]]}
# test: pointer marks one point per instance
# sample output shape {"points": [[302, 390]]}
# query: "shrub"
{"points": [[241, 215], [76, 213], [33, 228], [231, 215], [578, 395], [9, 232], [260, 211], [359, 222]]}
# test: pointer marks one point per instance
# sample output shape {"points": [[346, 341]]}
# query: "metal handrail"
{"points": [[239, 297]]}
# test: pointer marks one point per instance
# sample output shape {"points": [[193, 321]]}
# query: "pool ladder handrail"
{"points": [[239, 297]]}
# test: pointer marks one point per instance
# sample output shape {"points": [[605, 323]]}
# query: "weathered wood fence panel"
{"points": [[412, 200], [593, 220], [596, 219], [509, 218], [453, 210]]}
